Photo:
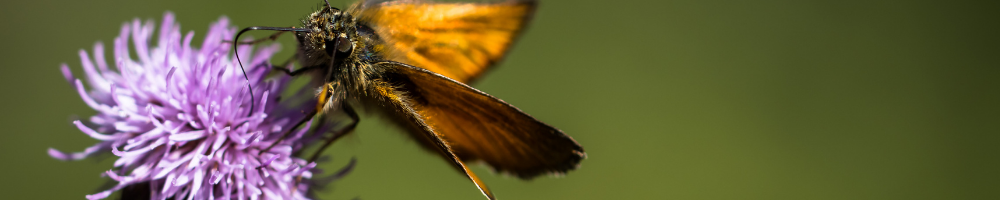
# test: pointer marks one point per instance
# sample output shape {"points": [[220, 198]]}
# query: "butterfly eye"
{"points": [[345, 45]]}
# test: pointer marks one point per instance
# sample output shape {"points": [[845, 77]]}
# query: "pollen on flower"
{"points": [[178, 117]]}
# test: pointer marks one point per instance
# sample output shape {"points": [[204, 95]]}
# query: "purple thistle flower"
{"points": [[179, 119]]}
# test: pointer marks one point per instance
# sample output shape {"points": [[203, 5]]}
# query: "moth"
{"points": [[412, 61]]}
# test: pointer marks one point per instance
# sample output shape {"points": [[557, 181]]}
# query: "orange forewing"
{"points": [[477, 126], [458, 40]]}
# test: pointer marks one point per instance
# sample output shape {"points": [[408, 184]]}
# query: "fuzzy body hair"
{"points": [[344, 77]]}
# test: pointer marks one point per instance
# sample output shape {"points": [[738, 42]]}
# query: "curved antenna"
{"points": [[236, 41], [328, 4]]}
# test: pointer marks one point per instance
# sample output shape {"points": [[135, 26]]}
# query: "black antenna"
{"points": [[236, 41], [328, 4]]}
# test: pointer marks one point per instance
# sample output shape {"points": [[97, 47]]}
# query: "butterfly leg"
{"points": [[295, 72], [350, 166], [281, 67], [315, 131], [354, 123], [289, 131]]}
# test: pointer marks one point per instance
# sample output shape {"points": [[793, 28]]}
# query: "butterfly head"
{"points": [[330, 39]]}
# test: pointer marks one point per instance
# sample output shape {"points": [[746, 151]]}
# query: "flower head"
{"points": [[179, 117]]}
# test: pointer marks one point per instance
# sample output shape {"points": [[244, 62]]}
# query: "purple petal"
{"points": [[92, 133], [102, 64], [90, 101], [67, 73], [188, 136], [95, 78]]}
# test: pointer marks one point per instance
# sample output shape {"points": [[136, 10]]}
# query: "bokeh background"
{"points": [[672, 99]]}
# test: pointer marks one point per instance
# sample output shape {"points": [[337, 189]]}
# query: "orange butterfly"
{"points": [[412, 60]]}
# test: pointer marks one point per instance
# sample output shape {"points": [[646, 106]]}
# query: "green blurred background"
{"points": [[776, 99]]}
